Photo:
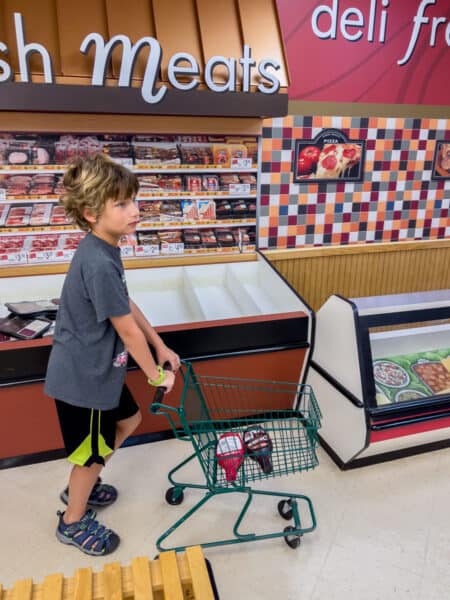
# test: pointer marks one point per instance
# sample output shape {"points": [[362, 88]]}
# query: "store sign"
{"points": [[367, 50], [183, 69]]}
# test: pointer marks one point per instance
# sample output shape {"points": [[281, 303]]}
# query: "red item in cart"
{"points": [[230, 454]]}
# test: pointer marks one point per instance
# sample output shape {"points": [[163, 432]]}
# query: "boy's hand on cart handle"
{"points": [[168, 358]]}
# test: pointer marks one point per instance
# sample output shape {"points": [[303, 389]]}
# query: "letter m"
{"points": [[130, 53]]}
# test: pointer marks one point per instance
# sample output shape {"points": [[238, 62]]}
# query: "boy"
{"points": [[97, 325]]}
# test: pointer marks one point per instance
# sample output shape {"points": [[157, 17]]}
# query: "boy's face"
{"points": [[119, 217]]}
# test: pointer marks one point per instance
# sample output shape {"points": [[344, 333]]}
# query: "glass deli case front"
{"points": [[381, 373]]}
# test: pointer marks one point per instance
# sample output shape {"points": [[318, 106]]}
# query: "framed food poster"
{"points": [[441, 163], [330, 156]]}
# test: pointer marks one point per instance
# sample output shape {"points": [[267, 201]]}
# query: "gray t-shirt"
{"points": [[87, 364]]}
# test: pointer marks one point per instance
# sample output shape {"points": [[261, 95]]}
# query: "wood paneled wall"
{"points": [[200, 27], [370, 270]]}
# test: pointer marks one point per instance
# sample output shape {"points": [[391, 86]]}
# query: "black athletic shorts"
{"points": [[89, 435]]}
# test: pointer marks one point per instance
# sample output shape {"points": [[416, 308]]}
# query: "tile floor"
{"points": [[383, 531]]}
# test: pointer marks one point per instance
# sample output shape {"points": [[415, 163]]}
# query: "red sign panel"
{"points": [[381, 51]]}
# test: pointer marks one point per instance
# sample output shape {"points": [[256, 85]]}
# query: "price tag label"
{"points": [[125, 162], [126, 251], [13, 258], [38, 256], [241, 163], [147, 250], [172, 248], [239, 188]]}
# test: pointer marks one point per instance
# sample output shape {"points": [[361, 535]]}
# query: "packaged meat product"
{"points": [[149, 210], [59, 217], [208, 238], [190, 210], [191, 238], [172, 236], [239, 208], [170, 210], [223, 209], [4, 209], [221, 155], [70, 241], [148, 238], [19, 216], [225, 237], [249, 178], [206, 210], [12, 243], [196, 154], [40, 214], [193, 183], [156, 153], [227, 179], [42, 242], [171, 183], [42, 154], [210, 183], [16, 156]]}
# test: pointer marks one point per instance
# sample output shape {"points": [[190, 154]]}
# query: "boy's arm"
{"points": [[164, 354], [136, 344]]}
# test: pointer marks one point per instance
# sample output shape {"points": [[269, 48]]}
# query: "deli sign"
{"points": [[183, 69]]}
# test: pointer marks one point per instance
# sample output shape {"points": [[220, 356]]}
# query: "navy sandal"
{"points": [[102, 494], [87, 534]]}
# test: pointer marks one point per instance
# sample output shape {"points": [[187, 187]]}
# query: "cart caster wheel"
{"points": [[293, 541], [174, 496], [285, 510]]}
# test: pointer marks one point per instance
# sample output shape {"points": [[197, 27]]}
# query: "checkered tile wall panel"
{"points": [[396, 200]]}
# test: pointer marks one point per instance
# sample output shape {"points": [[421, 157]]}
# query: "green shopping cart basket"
{"points": [[211, 409]]}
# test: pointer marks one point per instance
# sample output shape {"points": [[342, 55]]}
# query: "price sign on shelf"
{"points": [[13, 258], [239, 188], [126, 251], [147, 250], [39, 256], [241, 163], [125, 162], [172, 248]]}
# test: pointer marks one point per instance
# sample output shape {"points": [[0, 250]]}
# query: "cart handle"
{"points": [[159, 394]]}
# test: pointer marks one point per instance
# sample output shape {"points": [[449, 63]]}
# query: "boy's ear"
{"points": [[89, 216]]}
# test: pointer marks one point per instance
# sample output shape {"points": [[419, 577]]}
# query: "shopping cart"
{"points": [[212, 408]]}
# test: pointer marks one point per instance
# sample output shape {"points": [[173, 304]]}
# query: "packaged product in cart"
{"points": [[258, 447], [230, 454]]}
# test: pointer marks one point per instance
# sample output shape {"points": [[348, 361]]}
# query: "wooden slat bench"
{"points": [[169, 577]]}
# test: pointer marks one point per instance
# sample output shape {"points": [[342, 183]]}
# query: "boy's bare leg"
{"points": [[81, 482], [83, 479], [124, 429]]}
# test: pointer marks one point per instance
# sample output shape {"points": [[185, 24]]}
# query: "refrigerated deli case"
{"points": [[238, 318], [380, 370]]}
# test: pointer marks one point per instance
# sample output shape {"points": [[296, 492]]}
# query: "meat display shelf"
{"points": [[381, 374]]}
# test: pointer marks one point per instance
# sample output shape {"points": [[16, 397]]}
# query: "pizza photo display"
{"points": [[442, 160], [329, 157]]}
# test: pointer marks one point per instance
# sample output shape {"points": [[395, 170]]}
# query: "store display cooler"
{"points": [[380, 370]]}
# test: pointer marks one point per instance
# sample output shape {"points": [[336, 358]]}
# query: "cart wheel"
{"points": [[174, 496], [284, 508], [293, 541]]}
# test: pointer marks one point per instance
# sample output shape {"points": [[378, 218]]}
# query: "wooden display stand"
{"points": [[170, 577]]}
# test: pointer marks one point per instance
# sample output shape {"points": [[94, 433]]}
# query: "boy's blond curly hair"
{"points": [[90, 182]]}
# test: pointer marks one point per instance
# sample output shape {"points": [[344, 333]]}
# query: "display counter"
{"points": [[381, 373], [239, 319]]}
